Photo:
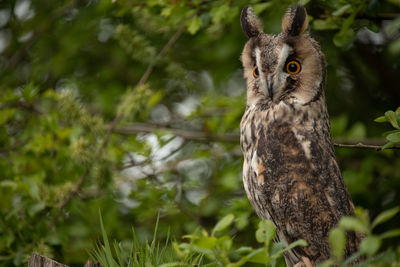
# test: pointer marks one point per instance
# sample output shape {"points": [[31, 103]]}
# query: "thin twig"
{"points": [[361, 145], [135, 128]]}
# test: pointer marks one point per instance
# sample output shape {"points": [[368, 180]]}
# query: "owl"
{"points": [[290, 172]]}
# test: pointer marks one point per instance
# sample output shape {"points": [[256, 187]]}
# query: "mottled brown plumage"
{"points": [[290, 172]]}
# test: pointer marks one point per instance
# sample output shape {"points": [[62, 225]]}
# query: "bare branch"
{"points": [[361, 145], [135, 128]]}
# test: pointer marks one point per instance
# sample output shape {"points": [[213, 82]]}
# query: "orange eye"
{"points": [[255, 71], [293, 67]]}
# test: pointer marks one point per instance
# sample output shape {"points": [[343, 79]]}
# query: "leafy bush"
{"points": [[393, 117], [219, 249], [203, 249]]}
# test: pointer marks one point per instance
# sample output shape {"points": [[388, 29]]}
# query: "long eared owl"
{"points": [[290, 172]]}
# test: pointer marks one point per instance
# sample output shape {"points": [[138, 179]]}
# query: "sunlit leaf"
{"points": [[370, 245], [266, 231], [392, 118], [205, 242], [389, 145], [394, 137], [343, 9], [324, 25], [390, 234], [385, 216], [258, 256], [223, 224], [337, 241], [380, 119], [352, 224], [194, 24]]}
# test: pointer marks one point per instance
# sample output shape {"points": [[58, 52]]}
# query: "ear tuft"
{"points": [[295, 20], [250, 23]]}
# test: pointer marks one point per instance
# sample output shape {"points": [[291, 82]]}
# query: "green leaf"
{"points": [[373, 27], [394, 137], [298, 243], [392, 118], [341, 10], [166, 11], [390, 132], [6, 115], [327, 263], [258, 256], [223, 223], [352, 224], [385, 216], [35, 208], [194, 25], [266, 231], [370, 245], [155, 99], [344, 38], [206, 242], [388, 145], [224, 243], [109, 257], [390, 233], [337, 241], [380, 119], [244, 250], [324, 25]]}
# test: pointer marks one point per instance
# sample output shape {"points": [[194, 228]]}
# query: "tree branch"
{"points": [[361, 145], [138, 127], [135, 128]]}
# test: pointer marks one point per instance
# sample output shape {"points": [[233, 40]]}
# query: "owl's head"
{"points": [[287, 65]]}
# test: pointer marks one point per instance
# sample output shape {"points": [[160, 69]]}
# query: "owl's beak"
{"points": [[270, 85]]}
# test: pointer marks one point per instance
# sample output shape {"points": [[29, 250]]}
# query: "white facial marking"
{"points": [[280, 74], [262, 83], [285, 52], [258, 57]]}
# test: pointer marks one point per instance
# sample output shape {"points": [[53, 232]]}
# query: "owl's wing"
{"points": [[298, 183]]}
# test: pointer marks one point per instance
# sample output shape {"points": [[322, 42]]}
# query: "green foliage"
{"points": [[69, 68], [392, 117], [202, 249], [218, 249], [371, 243], [138, 254]]}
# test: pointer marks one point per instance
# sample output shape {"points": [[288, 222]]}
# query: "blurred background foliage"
{"points": [[133, 107]]}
